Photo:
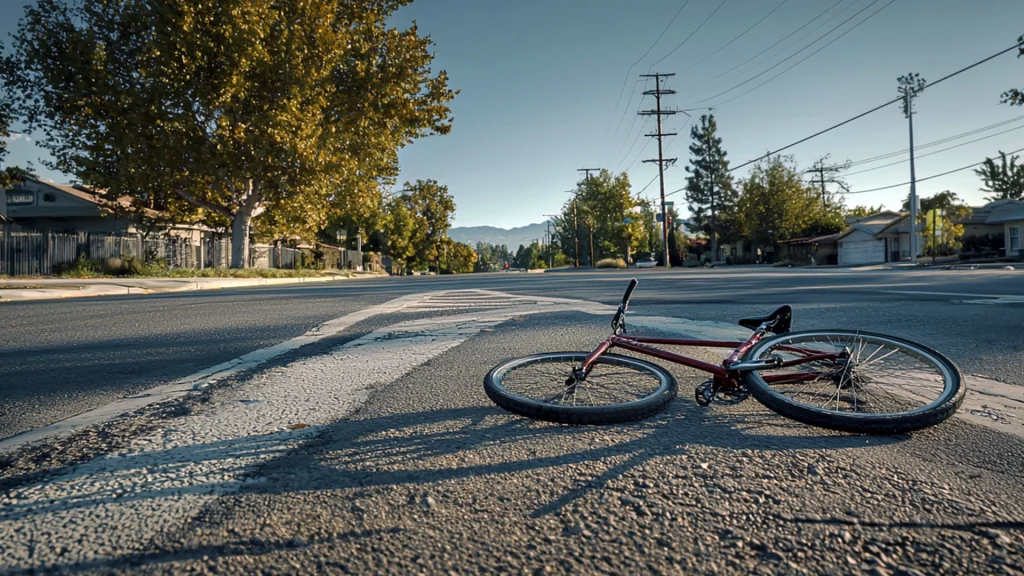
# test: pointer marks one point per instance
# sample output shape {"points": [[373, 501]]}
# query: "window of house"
{"points": [[19, 197], [1014, 238]]}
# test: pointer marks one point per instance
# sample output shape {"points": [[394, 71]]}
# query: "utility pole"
{"points": [[658, 92], [913, 182], [910, 85], [551, 241], [827, 174], [591, 224], [575, 228]]}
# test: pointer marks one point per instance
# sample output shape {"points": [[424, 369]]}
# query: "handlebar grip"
{"points": [[629, 291]]}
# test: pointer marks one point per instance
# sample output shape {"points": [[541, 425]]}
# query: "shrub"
{"points": [[611, 263], [82, 268]]}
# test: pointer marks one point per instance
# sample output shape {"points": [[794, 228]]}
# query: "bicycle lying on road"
{"points": [[844, 380]]}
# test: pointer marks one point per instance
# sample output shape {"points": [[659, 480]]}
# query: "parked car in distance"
{"points": [[646, 263]]}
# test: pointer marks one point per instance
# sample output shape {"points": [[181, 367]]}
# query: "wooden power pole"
{"points": [[658, 92]]}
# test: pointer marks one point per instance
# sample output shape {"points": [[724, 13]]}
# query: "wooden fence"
{"points": [[43, 253]]}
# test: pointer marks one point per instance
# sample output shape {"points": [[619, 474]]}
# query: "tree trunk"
{"points": [[240, 239]]}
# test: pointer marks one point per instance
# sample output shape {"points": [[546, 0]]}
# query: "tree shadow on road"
{"points": [[417, 450]]}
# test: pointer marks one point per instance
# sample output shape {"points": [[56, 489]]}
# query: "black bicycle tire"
{"points": [[857, 423], [581, 415]]}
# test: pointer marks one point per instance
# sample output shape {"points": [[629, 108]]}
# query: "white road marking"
{"points": [[967, 298], [162, 479], [202, 378]]}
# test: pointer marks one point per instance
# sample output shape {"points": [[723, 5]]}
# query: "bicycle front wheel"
{"points": [[618, 389], [856, 382]]}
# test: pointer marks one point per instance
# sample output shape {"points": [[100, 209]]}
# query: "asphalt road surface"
{"points": [[60, 358], [372, 449]]}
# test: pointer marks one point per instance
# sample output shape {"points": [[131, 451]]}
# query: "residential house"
{"points": [[39, 205], [1009, 214], [859, 244], [896, 235], [816, 251], [999, 218], [976, 223]]}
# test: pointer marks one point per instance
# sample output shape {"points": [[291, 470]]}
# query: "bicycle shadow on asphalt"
{"points": [[415, 450]]}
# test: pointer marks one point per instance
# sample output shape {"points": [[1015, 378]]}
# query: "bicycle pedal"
{"points": [[704, 393], [730, 399]]}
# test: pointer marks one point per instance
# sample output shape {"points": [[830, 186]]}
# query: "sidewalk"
{"points": [[53, 288]]}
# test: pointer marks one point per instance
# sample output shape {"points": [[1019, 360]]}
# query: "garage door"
{"points": [[863, 252]]}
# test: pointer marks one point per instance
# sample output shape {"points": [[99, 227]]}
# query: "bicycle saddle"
{"points": [[779, 322]]}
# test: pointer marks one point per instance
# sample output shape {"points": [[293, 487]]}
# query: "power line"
{"points": [[936, 142], [640, 153], [783, 61], [648, 185], [628, 132], [935, 152], [926, 178], [611, 142], [691, 34], [768, 49], [625, 80], [811, 55], [876, 108], [741, 34]]}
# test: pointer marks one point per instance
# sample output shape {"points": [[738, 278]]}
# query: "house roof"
{"points": [[883, 215], [96, 197], [895, 223], [828, 239], [980, 215], [872, 225], [1006, 211]]}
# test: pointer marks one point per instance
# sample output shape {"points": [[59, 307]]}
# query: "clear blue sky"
{"points": [[540, 80]]}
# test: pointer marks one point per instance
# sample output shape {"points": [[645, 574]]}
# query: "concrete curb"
{"points": [[114, 288]]}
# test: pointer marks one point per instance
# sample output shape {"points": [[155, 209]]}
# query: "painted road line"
{"points": [[163, 479], [202, 378], [967, 298], [416, 302]]}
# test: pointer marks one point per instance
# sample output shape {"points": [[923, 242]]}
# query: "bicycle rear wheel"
{"points": [[618, 389], [861, 382]]}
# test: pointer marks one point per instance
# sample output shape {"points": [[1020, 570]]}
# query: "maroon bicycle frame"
{"points": [[722, 373]]}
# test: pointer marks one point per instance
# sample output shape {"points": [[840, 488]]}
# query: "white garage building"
{"points": [[859, 244]]}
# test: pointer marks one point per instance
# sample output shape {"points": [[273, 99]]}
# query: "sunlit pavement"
{"points": [[373, 448]]}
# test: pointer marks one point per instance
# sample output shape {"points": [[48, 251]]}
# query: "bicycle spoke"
{"points": [[869, 375]]}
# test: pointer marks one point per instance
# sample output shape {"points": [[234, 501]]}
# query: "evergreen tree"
{"points": [[710, 194]]}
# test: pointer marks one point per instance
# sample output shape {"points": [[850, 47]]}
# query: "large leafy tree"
{"points": [[710, 193], [940, 217], [1005, 180], [459, 257], [6, 102], [863, 211], [416, 224], [1015, 96], [12, 175], [435, 208], [229, 108], [600, 205], [776, 203], [401, 229]]}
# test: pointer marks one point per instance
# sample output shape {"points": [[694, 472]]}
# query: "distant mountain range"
{"points": [[512, 238]]}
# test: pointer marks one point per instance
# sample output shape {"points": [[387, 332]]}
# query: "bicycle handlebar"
{"points": [[629, 291]]}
